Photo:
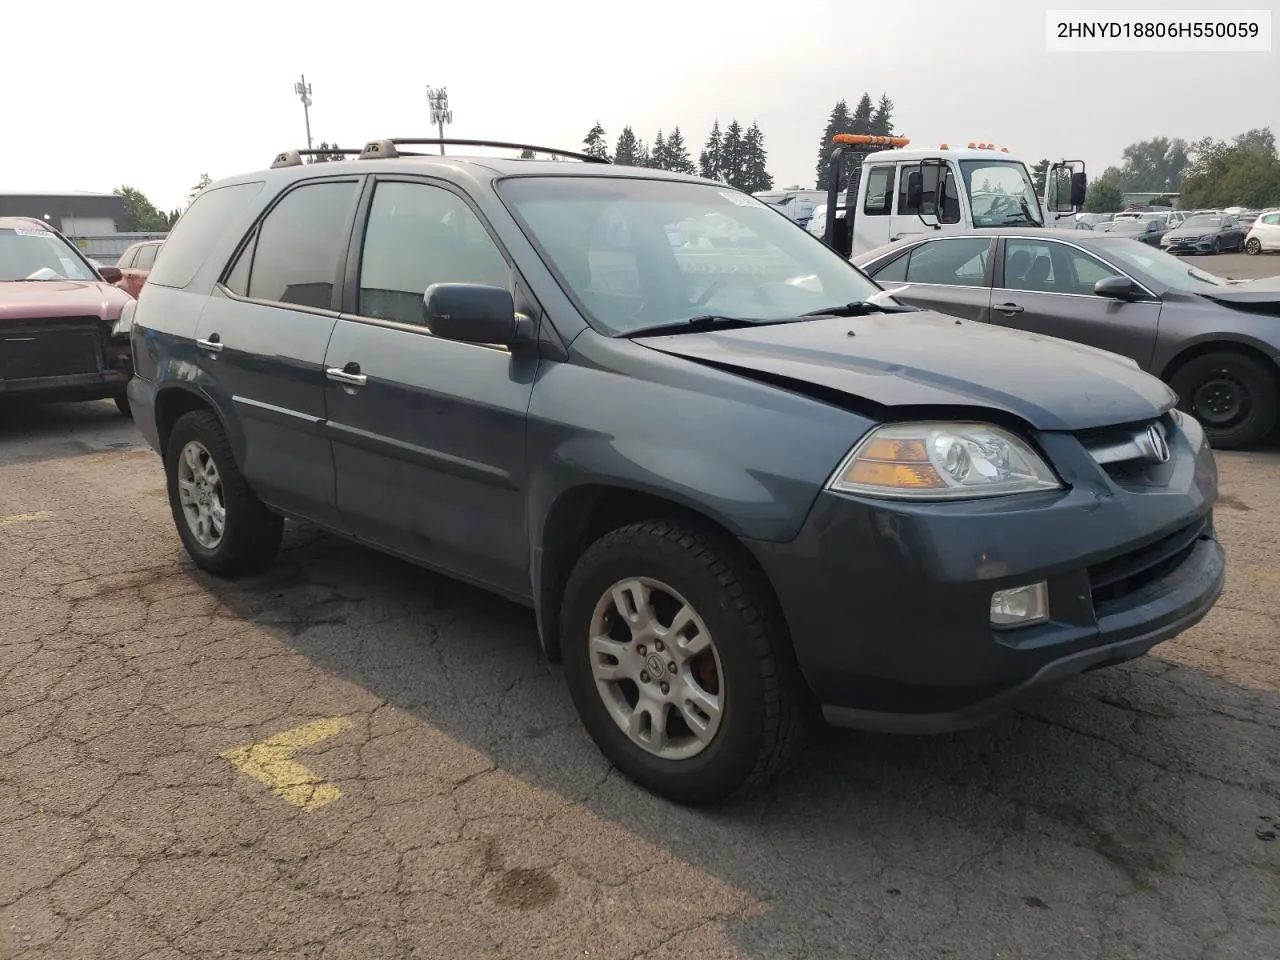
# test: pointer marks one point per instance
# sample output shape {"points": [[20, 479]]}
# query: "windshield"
{"points": [[636, 253], [1000, 193], [1204, 223], [1130, 226], [1165, 267], [32, 253]]}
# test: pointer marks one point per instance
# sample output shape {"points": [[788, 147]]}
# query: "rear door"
{"points": [[428, 434], [136, 275], [1046, 287], [950, 274], [262, 338]]}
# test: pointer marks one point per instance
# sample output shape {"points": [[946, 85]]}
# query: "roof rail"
{"points": [[293, 158], [379, 149]]}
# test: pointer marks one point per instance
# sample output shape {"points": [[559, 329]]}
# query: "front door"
{"points": [[1046, 287], [428, 434], [950, 274], [263, 334]]}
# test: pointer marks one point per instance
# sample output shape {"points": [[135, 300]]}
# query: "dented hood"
{"points": [[926, 359], [1246, 292], [41, 299]]}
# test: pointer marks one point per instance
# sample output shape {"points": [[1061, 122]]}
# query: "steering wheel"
{"points": [[719, 283]]}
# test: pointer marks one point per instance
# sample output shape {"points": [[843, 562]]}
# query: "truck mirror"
{"points": [[1079, 187], [915, 191]]}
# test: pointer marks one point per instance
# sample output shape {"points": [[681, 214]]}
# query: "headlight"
{"points": [[124, 326], [941, 461]]}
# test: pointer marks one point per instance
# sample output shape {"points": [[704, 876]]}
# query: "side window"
{"points": [[126, 258], [959, 262], [893, 272], [1272, 219], [238, 279], [299, 245], [201, 226], [879, 202], [1041, 266], [146, 256], [418, 235]]}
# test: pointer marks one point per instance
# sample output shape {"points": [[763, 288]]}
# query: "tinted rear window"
{"points": [[198, 231]]}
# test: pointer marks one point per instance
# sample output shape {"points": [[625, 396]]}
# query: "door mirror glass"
{"points": [[1079, 187], [470, 312], [110, 274]]}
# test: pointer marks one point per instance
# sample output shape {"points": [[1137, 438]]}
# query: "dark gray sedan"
{"points": [[1215, 341], [1205, 234]]}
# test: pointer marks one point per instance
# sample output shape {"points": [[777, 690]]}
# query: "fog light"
{"points": [[1020, 606]]}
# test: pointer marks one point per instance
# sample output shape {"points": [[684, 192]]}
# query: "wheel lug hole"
{"points": [[641, 650], [664, 687], [644, 676], [658, 645], [672, 666]]}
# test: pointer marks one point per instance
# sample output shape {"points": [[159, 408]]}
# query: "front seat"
{"points": [[1039, 273], [1016, 266]]}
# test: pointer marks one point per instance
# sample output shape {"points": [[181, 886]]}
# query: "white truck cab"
{"points": [[901, 192]]}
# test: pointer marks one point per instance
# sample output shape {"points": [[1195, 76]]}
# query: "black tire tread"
{"points": [[256, 543], [788, 705]]}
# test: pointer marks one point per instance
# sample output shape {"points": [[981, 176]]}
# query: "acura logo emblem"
{"points": [[1155, 447]]}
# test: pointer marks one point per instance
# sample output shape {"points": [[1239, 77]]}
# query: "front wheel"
{"points": [[1217, 246], [224, 526], [122, 404], [1232, 395], [1253, 246], [679, 664]]}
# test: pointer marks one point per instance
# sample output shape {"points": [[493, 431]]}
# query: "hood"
{"points": [[1193, 232], [926, 359], [42, 299], [1266, 290]]}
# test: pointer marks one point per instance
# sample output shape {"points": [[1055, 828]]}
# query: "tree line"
{"points": [[734, 155], [865, 118], [143, 216]]}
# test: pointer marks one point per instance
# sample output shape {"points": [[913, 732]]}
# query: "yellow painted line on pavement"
{"points": [[271, 762], [26, 517]]}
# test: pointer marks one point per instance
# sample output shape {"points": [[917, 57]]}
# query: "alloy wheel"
{"points": [[201, 495]]}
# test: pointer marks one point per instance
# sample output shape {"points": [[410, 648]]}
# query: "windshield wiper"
{"points": [[859, 308], [697, 324]]}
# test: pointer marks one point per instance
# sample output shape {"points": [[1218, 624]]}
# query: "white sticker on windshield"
{"points": [[741, 199], [29, 232]]}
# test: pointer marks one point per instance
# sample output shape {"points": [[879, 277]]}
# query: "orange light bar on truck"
{"points": [[850, 139]]}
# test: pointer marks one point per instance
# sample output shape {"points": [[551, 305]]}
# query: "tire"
{"points": [[122, 404], [1217, 246], [1207, 379], [1253, 246], [766, 703], [250, 534]]}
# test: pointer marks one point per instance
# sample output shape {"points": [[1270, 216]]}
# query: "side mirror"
{"points": [[915, 190], [1117, 288], [470, 312], [110, 274], [1079, 187]]}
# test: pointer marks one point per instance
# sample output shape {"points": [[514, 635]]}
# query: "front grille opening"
{"points": [[52, 349], [1117, 578]]}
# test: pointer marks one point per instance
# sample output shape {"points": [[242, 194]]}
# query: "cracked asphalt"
{"points": [[1131, 814]]}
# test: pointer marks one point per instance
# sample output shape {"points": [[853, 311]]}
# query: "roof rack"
{"points": [[293, 158], [379, 149]]}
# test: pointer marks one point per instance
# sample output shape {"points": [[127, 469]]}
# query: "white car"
{"points": [[1264, 235]]}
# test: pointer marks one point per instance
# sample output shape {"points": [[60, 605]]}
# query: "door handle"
{"points": [[350, 374], [1008, 309], [213, 344]]}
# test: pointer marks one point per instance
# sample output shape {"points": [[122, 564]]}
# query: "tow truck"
{"points": [[894, 192]]}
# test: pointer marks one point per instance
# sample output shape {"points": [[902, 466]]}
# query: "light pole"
{"points": [[440, 112], [303, 90]]}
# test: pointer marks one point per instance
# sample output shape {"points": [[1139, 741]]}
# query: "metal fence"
{"points": [[106, 249]]}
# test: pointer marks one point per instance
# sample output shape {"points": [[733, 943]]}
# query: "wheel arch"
{"points": [[1219, 344], [580, 516], [173, 400]]}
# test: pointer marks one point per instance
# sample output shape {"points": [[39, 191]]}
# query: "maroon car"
{"points": [[58, 319]]}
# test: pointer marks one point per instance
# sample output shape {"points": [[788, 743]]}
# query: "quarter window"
{"points": [[126, 258], [418, 235], [146, 256], [297, 248], [1041, 266], [879, 202], [201, 226], [1272, 219]]}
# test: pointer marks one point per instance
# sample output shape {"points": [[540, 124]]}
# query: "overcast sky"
{"points": [[153, 94]]}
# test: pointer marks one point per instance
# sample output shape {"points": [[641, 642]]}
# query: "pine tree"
{"points": [[882, 119], [862, 115], [628, 148], [711, 159], [643, 157], [732, 167], [594, 143], [678, 158], [527, 154], [755, 161], [658, 156], [838, 122]]}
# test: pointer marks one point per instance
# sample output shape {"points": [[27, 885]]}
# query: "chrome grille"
{"points": [[1135, 454]]}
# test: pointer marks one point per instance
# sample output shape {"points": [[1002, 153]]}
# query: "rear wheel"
{"points": [[679, 664], [1234, 396], [224, 526], [1253, 246], [1217, 245]]}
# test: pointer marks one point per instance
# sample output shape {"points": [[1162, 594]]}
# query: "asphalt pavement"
{"points": [[349, 757]]}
